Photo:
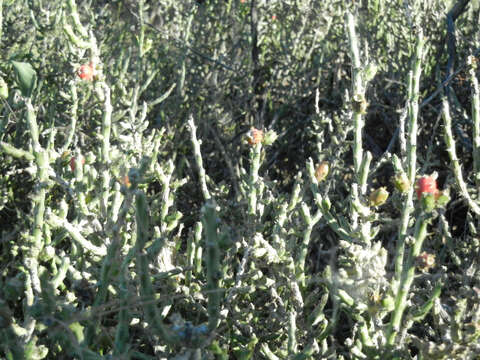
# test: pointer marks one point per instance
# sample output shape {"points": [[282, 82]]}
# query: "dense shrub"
{"points": [[239, 179]]}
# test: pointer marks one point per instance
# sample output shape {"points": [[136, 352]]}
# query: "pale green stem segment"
{"points": [[55, 222], [255, 153], [412, 109], [35, 241], [212, 256], [198, 159], [16, 153], [42, 162], [1, 19], [109, 266], [146, 288], [425, 308], [406, 279], [476, 118], [73, 115], [358, 94], [361, 75], [292, 328], [106, 130], [310, 222], [452, 153]]}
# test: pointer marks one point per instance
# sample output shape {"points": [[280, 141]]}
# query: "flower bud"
{"points": [[388, 302], [443, 197], [322, 170], [73, 163], [425, 261], [359, 104], [401, 182], [270, 137], [125, 180], [86, 72], [428, 202], [254, 136], [426, 185], [378, 197]]}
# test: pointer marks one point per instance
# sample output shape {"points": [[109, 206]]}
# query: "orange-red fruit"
{"points": [[86, 72], [73, 163], [426, 185]]}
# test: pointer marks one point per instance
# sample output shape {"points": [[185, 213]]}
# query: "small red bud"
{"points": [[425, 261], [427, 185], [322, 170], [125, 180], [73, 163], [254, 136], [86, 72]]}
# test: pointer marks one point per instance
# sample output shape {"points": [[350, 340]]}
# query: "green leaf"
{"points": [[26, 77]]}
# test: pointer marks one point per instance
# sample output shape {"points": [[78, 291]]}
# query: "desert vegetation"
{"points": [[239, 179]]}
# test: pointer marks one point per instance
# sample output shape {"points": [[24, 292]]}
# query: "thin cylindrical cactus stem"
{"points": [[197, 259], [79, 183], [358, 93], [292, 338], [57, 280], [295, 197], [412, 106], [212, 252], [198, 158], [116, 204], [16, 153], [1, 19], [73, 116], [165, 178], [265, 351], [361, 160], [183, 59], [141, 36], [427, 306], [324, 204], [122, 332], [302, 254], [146, 288], [475, 118], [406, 279], [452, 153], [190, 258], [255, 153], [54, 221], [106, 129], [364, 169], [42, 162], [72, 7], [108, 264], [278, 229]]}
